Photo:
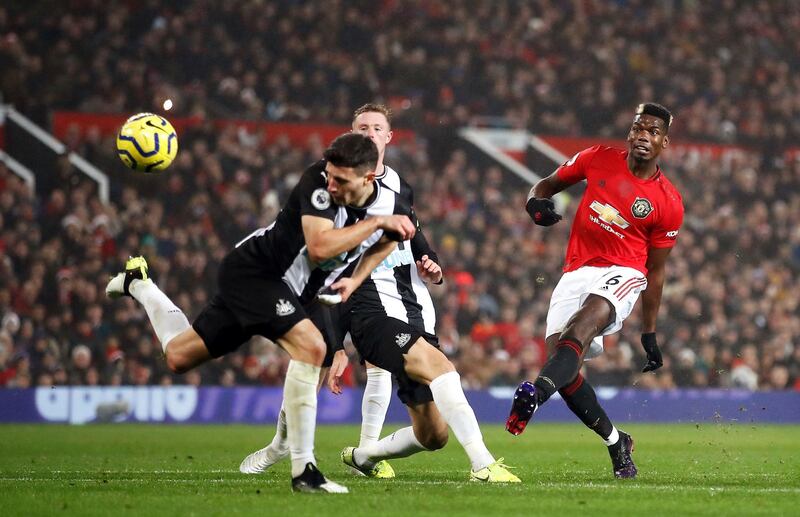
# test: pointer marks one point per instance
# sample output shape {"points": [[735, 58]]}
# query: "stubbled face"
{"points": [[374, 125], [647, 137], [346, 187]]}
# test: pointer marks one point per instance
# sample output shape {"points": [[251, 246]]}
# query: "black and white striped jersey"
{"points": [[395, 288], [280, 248]]}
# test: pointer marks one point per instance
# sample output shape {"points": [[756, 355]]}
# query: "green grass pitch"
{"points": [[710, 469]]}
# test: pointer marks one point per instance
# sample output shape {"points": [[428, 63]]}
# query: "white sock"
{"points": [[166, 318], [452, 404], [613, 437], [280, 443], [374, 404], [300, 406], [399, 444]]}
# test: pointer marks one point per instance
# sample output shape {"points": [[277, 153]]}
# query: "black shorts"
{"points": [[249, 302], [333, 322], [382, 341]]}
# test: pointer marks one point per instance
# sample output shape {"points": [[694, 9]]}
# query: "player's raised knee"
{"points": [[185, 351], [178, 362], [311, 351], [304, 343], [315, 351]]}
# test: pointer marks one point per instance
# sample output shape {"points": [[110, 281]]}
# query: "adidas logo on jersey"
{"points": [[284, 308], [402, 339]]}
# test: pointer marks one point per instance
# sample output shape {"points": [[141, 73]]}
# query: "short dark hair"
{"points": [[656, 110], [353, 151]]}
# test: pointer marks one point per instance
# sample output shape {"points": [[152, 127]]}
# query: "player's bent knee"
{"points": [[178, 362], [311, 351], [439, 440], [317, 350], [304, 343], [434, 439], [186, 351]]}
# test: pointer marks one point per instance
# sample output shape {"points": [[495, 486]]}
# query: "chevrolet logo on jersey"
{"points": [[609, 214]]}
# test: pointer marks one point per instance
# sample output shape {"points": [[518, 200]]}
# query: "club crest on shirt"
{"points": [[321, 199], [641, 208], [284, 308], [402, 339]]}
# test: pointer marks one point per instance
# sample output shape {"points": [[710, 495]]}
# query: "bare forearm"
{"points": [[651, 300], [336, 241], [371, 259], [547, 187]]}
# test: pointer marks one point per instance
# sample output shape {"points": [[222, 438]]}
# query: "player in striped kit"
{"points": [[625, 227], [373, 121], [392, 323], [321, 229], [392, 326]]}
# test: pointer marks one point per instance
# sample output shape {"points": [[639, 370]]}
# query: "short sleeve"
{"points": [[665, 232], [313, 194], [574, 169]]}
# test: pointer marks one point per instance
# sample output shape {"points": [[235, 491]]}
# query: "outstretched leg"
{"points": [[428, 365], [426, 423], [565, 362], [183, 347], [167, 319], [418, 364]]}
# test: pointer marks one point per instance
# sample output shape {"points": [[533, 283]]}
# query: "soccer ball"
{"points": [[147, 142]]}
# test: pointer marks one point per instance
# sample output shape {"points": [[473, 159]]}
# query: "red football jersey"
{"points": [[620, 216]]}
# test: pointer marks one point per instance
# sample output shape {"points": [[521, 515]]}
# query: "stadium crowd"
{"points": [[730, 313], [729, 316], [731, 68]]}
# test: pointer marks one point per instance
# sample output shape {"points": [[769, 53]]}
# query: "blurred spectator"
{"points": [[728, 68], [81, 364]]}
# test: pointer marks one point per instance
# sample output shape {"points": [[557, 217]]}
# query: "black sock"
{"points": [[560, 369], [581, 399]]}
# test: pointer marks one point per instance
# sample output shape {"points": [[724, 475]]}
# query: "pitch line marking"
{"points": [[590, 486]]}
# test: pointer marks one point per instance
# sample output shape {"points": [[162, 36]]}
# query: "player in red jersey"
{"points": [[624, 228]]}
